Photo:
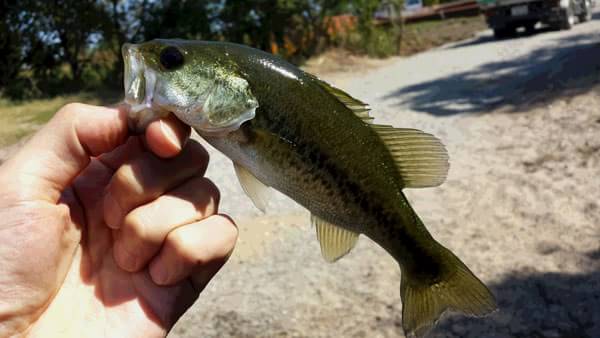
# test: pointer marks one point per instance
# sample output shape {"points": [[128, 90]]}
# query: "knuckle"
{"points": [[185, 248], [63, 212], [73, 106], [212, 191], [180, 242], [136, 224], [124, 173], [123, 178], [69, 111], [230, 232]]}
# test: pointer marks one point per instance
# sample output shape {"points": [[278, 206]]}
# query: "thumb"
{"points": [[50, 161]]}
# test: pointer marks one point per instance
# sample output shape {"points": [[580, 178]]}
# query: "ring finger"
{"points": [[145, 228]]}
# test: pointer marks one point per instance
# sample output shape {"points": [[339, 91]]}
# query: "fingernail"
{"points": [[112, 212], [170, 134], [159, 273]]}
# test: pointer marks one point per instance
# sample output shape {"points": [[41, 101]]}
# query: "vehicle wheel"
{"points": [[503, 33], [530, 28], [587, 12], [568, 18], [500, 33]]}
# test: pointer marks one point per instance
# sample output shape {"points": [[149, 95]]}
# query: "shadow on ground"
{"points": [[538, 305], [482, 39], [570, 67]]}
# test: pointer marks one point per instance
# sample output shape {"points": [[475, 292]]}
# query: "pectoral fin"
{"points": [[335, 241], [255, 189]]}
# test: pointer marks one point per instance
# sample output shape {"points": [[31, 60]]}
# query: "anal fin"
{"points": [[257, 191], [335, 241]]}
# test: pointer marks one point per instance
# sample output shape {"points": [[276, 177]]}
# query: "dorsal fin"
{"points": [[359, 108], [420, 158], [335, 241]]}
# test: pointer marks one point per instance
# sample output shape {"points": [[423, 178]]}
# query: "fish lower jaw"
{"points": [[140, 115]]}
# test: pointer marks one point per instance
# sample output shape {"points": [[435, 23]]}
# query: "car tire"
{"points": [[505, 32], [567, 17], [530, 28], [500, 33], [587, 12]]}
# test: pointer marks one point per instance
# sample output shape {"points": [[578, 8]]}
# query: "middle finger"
{"points": [[147, 177]]}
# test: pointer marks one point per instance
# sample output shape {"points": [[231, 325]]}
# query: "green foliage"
{"points": [[54, 47], [41, 39], [376, 42], [184, 19], [368, 37]]}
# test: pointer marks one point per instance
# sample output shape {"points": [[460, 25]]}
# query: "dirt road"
{"points": [[521, 206]]}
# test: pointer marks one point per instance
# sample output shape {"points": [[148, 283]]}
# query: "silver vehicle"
{"points": [[506, 16]]}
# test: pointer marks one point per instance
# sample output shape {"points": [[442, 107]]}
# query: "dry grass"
{"points": [[418, 37], [421, 36], [19, 119], [338, 61]]}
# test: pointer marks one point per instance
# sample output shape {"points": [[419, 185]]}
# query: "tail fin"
{"points": [[460, 290]]}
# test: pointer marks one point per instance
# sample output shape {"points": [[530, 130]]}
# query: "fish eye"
{"points": [[171, 58]]}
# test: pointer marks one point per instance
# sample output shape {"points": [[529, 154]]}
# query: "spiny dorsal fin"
{"points": [[335, 241], [255, 189], [421, 158], [359, 108]]}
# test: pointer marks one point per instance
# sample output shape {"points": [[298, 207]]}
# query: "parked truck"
{"points": [[505, 16]]}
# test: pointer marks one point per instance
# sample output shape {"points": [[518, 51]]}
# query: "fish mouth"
{"points": [[139, 82], [149, 97]]}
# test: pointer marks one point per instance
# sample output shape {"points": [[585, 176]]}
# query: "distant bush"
{"points": [[58, 81], [20, 89], [374, 41]]}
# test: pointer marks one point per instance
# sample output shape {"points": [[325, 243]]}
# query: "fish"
{"points": [[286, 129]]}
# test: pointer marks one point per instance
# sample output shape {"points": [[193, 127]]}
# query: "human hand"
{"points": [[103, 233]]}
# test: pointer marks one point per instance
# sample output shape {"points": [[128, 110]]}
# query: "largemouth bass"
{"points": [[286, 129]]}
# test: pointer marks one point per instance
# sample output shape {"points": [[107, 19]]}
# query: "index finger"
{"points": [[165, 137]]}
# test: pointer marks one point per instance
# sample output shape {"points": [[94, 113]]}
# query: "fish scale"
{"points": [[317, 164]]}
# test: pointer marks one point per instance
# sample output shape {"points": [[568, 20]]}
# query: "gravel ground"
{"points": [[521, 205]]}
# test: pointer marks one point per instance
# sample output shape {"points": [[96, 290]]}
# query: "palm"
{"points": [[129, 304]]}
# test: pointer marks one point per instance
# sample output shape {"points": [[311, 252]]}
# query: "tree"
{"points": [[10, 38], [23, 46], [73, 25]]}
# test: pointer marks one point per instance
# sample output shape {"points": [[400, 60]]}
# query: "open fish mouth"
{"points": [[139, 82], [216, 104]]}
